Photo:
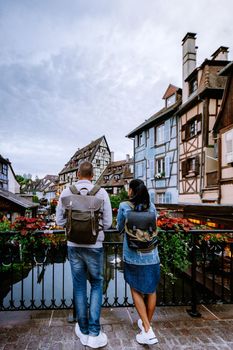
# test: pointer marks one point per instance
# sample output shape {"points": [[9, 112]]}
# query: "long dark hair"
{"points": [[140, 196]]}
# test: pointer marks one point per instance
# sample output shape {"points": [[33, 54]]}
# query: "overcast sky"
{"points": [[72, 71]]}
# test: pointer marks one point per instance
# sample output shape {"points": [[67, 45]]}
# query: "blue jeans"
{"points": [[87, 263]]}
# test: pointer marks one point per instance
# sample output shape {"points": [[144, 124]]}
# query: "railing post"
{"points": [[193, 311]]}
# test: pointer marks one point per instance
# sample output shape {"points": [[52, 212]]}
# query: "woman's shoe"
{"points": [[140, 325], [147, 337]]}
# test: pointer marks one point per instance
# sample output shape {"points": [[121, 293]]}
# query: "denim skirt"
{"points": [[142, 278]]}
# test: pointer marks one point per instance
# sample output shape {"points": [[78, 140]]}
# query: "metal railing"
{"points": [[41, 279]]}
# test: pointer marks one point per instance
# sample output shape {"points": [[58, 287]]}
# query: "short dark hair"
{"points": [[140, 195], [85, 169]]}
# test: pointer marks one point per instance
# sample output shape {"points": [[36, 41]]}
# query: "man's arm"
{"points": [[60, 213], [107, 211]]}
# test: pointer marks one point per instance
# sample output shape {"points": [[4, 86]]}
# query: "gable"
{"points": [[225, 116]]}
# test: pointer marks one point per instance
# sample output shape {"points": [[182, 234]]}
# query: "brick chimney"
{"points": [[189, 60], [221, 54]]}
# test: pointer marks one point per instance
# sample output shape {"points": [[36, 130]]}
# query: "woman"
{"points": [[141, 270]]}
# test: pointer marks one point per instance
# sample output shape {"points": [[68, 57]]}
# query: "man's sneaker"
{"points": [[147, 337], [83, 337], [98, 341]]}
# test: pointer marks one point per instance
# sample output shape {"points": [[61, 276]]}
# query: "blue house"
{"points": [[156, 150]]}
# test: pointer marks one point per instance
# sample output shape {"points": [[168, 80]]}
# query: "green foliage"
{"points": [[116, 199], [35, 199], [5, 226]]}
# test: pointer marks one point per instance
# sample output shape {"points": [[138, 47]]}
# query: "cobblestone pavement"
{"points": [[175, 329]]}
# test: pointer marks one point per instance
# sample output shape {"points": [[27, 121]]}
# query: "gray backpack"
{"points": [[83, 212]]}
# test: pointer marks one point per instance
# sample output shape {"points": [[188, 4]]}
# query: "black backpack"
{"points": [[141, 229]]}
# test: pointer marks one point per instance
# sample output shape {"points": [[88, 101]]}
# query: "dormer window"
{"points": [[170, 100], [192, 85], [106, 178], [117, 177]]}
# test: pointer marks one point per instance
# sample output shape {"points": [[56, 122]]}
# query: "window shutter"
{"points": [[183, 132], [167, 130], [152, 168], [152, 197], [167, 166], [184, 169], [168, 197], [199, 117], [197, 165], [152, 137]]}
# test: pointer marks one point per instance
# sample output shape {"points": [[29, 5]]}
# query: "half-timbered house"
{"points": [[97, 152], [7, 176], [117, 176], [223, 127], [155, 150], [202, 94]]}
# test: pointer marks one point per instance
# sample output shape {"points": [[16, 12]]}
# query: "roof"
{"points": [[206, 62], [162, 113], [171, 90], [4, 160], [121, 168], [22, 202], [46, 182], [86, 153], [225, 71]]}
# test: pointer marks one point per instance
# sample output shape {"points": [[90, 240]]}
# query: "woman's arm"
{"points": [[120, 219]]}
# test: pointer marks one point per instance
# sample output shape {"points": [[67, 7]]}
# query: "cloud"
{"points": [[72, 72]]}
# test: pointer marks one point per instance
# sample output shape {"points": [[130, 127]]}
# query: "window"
{"points": [[160, 197], [98, 162], [190, 166], [192, 128], [192, 85], [229, 146], [139, 140], [105, 178], [159, 167], [139, 169], [116, 177], [159, 134], [170, 100], [147, 137], [3, 168]]}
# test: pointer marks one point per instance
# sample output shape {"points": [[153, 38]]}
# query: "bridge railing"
{"points": [[40, 278]]}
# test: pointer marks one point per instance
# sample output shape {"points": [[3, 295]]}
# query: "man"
{"points": [[87, 260]]}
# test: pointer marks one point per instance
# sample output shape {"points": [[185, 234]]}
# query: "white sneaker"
{"points": [[140, 325], [147, 337], [98, 341], [83, 337]]}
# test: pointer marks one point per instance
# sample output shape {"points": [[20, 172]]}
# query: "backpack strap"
{"points": [[94, 190], [130, 204], [73, 189]]}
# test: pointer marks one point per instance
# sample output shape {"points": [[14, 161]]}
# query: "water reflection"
{"points": [[44, 278]]}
